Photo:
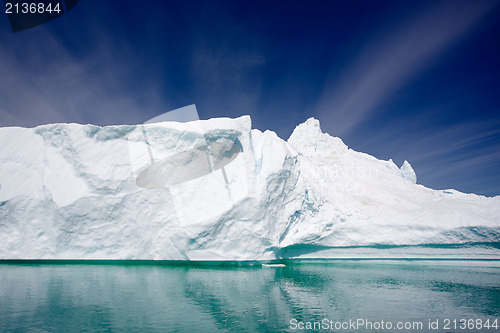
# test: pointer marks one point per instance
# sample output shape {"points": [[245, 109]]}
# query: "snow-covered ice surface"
{"points": [[69, 191]]}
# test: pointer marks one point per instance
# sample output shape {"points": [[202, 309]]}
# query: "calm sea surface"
{"points": [[161, 298]]}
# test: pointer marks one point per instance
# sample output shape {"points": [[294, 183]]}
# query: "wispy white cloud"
{"points": [[388, 63], [429, 143], [445, 152], [43, 82], [110, 82]]}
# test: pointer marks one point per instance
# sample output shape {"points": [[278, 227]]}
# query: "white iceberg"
{"points": [[70, 191]]}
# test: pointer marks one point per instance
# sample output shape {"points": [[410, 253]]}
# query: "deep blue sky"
{"points": [[416, 80]]}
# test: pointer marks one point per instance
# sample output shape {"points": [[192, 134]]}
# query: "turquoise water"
{"points": [[182, 298]]}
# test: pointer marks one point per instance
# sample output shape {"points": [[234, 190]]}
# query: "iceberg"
{"points": [[408, 173], [219, 190]]}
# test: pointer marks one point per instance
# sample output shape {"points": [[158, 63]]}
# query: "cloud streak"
{"points": [[115, 79], [389, 63], [43, 82], [463, 155]]}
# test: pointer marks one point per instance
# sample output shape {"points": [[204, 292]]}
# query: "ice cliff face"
{"points": [[70, 191]]}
